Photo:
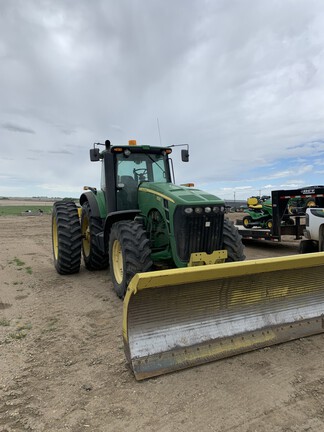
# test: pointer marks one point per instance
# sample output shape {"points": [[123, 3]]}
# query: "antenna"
{"points": [[158, 126]]}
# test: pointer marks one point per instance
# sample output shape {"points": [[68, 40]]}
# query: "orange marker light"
{"points": [[188, 184], [132, 142]]}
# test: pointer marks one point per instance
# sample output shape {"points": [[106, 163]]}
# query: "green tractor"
{"points": [[183, 313], [139, 220]]}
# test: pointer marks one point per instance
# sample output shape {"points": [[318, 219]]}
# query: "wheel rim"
{"points": [[55, 239], [245, 222], [117, 259], [269, 224], [311, 204], [85, 231]]}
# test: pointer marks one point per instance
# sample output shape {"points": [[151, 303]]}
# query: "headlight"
{"points": [[207, 209], [216, 209], [188, 210], [198, 210]]}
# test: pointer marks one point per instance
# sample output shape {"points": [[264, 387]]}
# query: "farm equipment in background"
{"points": [[286, 218], [201, 302], [298, 206], [259, 212]]}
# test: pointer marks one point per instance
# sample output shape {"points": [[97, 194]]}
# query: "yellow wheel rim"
{"points": [[117, 259], [269, 224], [311, 204], [55, 238], [85, 231], [246, 222]]}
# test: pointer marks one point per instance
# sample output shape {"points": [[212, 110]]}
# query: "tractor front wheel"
{"points": [[94, 258], [66, 237], [232, 242], [129, 253]]}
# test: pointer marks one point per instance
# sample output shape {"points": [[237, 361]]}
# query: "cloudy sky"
{"points": [[240, 81]]}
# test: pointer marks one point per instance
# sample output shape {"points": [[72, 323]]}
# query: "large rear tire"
{"points": [[93, 257], [232, 242], [129, 253], [66, 237]]}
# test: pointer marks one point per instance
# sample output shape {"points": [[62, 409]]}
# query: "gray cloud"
{"points": [[17, 128], [242, 88], [50, 151], [63, 151], [68, 131]]}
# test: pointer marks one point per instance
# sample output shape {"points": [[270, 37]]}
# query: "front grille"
{"points": [[197, 232]]}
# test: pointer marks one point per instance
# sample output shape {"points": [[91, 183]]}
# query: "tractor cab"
{"points": [[124, 168], [134, 168]]}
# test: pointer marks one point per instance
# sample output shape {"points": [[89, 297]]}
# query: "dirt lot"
{"points": [[63, 367]]}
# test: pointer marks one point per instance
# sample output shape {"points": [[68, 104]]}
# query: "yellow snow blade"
{"points": [[174, 319]]}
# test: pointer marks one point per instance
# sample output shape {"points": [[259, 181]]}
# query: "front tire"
{"points": [[232, 242], [93, 257], [129, 253], [66, 237]]}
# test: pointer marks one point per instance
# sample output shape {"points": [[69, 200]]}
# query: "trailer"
{"points": [[281, 200]]}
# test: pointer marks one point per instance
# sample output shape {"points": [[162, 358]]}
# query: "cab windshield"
{"points": [[134, 170], [141, 167]]}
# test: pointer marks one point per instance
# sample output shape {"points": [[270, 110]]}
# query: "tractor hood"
{"points": [[178, 194]]}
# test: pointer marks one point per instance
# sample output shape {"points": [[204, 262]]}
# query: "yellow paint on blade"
{"points": [[241, 297], [279, 292], [224, 349]]}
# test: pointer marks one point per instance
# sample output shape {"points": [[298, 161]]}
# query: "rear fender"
{"points": [[90, 197], [117, 217]]}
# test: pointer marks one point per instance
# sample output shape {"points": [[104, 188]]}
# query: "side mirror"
{"points": [[94, 154], [185, 155]]}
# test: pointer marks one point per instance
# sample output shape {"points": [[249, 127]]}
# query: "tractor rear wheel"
{"points": [[232, 242], [129, 253], [66, 237], [93, 257]]}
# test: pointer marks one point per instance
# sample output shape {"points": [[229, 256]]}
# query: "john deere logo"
{"points": [[308, 191]]}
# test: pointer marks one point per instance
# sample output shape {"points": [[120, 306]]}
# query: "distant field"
{"points": [[25, 202], [13, 210]]}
